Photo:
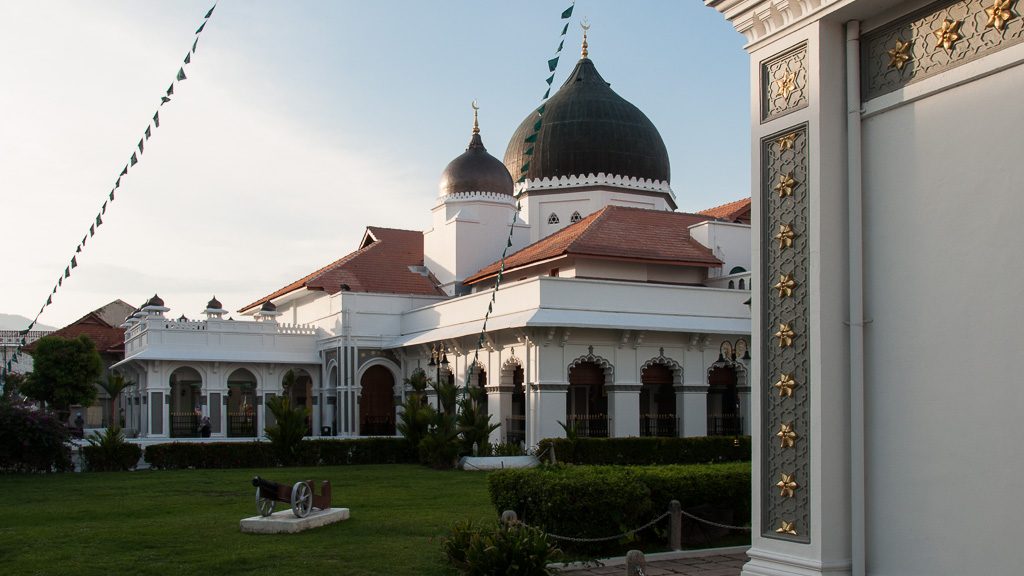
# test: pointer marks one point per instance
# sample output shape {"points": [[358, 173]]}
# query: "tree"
{"points": [[474, 422], [417, 414], [113, 385], [65, 372], [286, 436]]}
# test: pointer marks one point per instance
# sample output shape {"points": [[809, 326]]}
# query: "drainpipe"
{"points": [[856, 271]]}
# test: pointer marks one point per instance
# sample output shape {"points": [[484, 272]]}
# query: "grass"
{"points": [[186, 522]]}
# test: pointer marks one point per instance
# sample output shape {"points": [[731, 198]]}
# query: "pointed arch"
{"points": [[675, 367], [606, 366]]}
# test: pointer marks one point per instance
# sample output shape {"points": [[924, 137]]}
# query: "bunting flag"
{"points": [[147, 134], [530, 139]]}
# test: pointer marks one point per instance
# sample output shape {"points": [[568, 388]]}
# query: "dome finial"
{"points": [[476, 121], [585, 24]]}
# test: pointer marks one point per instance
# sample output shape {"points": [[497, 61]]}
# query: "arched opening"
{"points": [[732, 284], [723, 402], [186, 411], [658, 402], [377, 402], [478, 381], [298, 389], [515, 427], [242, 404], [588, 400], [743, 285]]}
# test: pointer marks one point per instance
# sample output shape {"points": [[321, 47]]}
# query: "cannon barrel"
{"points": [[267, 486]]}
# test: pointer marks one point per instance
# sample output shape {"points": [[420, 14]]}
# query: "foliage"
{"points": [[65, 372], [507, 449], [113, 385], [31, 440], [649, 450], [181, 455], [440, 447], [12, 385], [599, 501], [286, 435], [474, 423], [109, 452], [185, 522], [416, 416], [488, 548]]}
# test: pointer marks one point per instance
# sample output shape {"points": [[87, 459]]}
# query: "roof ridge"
{"points": [[596, 218]]}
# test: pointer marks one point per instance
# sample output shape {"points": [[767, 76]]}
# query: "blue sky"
{"points": [[302, 122]]}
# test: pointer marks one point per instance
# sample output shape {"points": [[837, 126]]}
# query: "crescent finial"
{"points": [[585, 24], [476, 122]]}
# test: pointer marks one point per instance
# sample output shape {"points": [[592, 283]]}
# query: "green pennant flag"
{"points": [[194, 44], [103, 209], [568, 12], [74, 261], [565, 29], [156, 119], [149, 132], [170, 89], [560, 45], [181, 74], [83, 240], [490, 307], [99, 221], [67, 272], [547, 93], [188, 58], [528, 151], [519, 206], [92, 230], [123, 172], [531, 138], [111, 195], [140, 145], [60, 281], [134, 160], [210, 12], [25, 331], [550, 79], [537, 125], [24, 341], [509, 245], [49, 300], [541, 109], [552, 64], [79, 249], [164, 100], [525, 168], [201, 26], [521, 180]]}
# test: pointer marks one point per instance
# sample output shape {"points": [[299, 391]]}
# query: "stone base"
{"points": [[497, 462], [285, 521]]}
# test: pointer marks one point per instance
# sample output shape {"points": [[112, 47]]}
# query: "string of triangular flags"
{"points": [[108, 201], [530, 140]]}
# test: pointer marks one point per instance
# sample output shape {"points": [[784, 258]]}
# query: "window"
{"points": [[742, 285], [553, 219], [737, 270], [554, 272], [732, 285], [575, 217]]}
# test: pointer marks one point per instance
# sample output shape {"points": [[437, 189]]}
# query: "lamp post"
{"points": [[438, 360]]}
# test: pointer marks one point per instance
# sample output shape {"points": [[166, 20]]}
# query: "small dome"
{"points": [[589, 129], [214, 304], [268, 307], [155, 301], [475, 171]]}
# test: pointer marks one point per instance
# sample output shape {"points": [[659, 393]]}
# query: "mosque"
{"points": [[611, 312]]}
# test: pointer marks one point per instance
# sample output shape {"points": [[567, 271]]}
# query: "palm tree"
{"points": [[113, 386]]}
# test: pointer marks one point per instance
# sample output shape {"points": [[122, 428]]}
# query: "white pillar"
{"points": [[548, 410], [624, 409]]}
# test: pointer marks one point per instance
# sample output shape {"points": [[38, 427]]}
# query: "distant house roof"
{"points": [[102, 326], [380, 265], [621, 233], [738, 211]]}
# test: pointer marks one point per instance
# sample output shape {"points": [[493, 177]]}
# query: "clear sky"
{"points": [[301, 123]]}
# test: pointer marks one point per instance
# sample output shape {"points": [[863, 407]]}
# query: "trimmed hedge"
{"points": [[648, 450], [177, 455], [101, 459], [599, 501]]}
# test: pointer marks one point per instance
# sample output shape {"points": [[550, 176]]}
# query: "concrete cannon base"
{"points": [[285, 521]]}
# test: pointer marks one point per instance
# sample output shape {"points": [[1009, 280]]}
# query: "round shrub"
{"points": [[32, 440]]}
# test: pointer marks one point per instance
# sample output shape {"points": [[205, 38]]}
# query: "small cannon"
{"points": [[301, 496]]}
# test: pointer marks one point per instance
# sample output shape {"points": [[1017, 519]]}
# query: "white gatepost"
{"points": [[624, 409]]}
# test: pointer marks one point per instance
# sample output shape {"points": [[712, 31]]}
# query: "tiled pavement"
{"points": [[697, 563]]}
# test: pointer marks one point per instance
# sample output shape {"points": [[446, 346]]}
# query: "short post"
{"points": [[636, 564], [508, 518], [676, 536]]}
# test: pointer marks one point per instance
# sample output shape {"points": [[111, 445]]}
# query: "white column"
{"points": [[548, 410], [624, 409]]}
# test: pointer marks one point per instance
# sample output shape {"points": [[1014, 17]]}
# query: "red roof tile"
{"points": [[738, 211], [109, 339], [617, 232], [380, 266]]}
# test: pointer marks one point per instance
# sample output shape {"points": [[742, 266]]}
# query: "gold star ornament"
{"points": [[785, 185], [787, 84], [787, 486], [787, 528], [899, 55], [786, 436], [999, 14], [785, 385], [947, 34], [785, 285], [785, 236], [786, 142], [785, 335]]}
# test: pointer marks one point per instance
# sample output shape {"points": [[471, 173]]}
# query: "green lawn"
{"points": [[186, 522]]}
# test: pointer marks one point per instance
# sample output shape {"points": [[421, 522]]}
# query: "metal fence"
{"points": [[515, 429], [589, 425], [377, 426], [724, 425], [242, 424], [663, 425], [184, 425]]}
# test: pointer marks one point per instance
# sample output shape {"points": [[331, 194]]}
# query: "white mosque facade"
{"points": [[614, 312]]}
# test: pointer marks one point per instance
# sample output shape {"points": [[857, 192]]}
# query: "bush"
{"points": [[484, 549], [286, 435], [648, 450], [599, 501], [179, 455], [32, 441], [109, 451]]}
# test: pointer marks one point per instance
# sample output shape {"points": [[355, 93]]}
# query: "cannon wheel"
{"points": [[265, 506], [302, 499]]}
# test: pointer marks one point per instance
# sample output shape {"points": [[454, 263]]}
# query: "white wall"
{"points": [[730, 243], [539, 205]]}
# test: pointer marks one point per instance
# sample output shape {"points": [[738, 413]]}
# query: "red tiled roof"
{"points": [[108, 339], [617, 232], [738, 211], [380, 266]]}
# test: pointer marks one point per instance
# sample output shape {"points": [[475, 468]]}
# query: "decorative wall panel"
{"points": [[936, 38], [784, 83], [785, 348]]}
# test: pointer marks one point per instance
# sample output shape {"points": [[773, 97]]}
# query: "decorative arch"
{"points": [[608, 367], [396, 372], [677, 370], [511, 364]]}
